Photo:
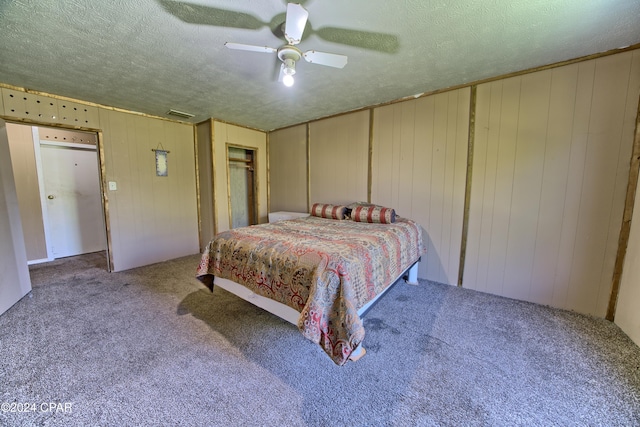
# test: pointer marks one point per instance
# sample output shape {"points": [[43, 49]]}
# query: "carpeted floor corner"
{"points": [[153, 347]]}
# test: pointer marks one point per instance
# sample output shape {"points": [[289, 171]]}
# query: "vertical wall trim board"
{"points": [[467, 190], [197, 172], [268, 175], [228, 179], [213, 177], [625, 229], [105, 198], [308, 167], [370, 158]]}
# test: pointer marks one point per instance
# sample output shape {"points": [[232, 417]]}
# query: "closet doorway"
{"points": [[241, 172]]}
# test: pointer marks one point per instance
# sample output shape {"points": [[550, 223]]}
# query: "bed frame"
{"points": [[290, 315]]}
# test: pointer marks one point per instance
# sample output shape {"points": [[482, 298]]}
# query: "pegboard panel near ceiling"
{"points": [[44, 109], [66, 135]]}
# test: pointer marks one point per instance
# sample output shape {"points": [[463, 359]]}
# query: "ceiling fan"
{"points": [[289, 54]]}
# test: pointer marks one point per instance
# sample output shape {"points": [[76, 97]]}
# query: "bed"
{"points": [[319, 273]]}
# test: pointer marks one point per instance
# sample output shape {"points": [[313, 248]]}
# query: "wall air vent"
{"points": [[180, 114]]}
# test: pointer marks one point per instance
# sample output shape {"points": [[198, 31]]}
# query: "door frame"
{"points": [[254, 184], [101, 176], [38, 143]]}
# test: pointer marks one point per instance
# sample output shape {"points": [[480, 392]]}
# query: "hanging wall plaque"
{"points": [[161, 160]]}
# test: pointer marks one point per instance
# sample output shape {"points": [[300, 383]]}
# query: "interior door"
{"points": [[14, 274], [74, 207]]}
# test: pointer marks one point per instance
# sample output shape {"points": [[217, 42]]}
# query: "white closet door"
{"points": [[74, 209]]}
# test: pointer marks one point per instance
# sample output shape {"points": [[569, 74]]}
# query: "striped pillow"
{"points": [[323, 210], [377, 214]]}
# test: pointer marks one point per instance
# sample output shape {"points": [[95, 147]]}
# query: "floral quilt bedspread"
{"points": [[325, 269]]}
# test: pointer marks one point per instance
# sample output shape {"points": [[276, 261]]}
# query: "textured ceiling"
{"points": [[154, 55]]}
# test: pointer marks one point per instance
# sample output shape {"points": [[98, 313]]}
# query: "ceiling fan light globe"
{"points": [[287, 80]]}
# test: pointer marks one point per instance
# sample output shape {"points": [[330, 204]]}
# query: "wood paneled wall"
{"points": [[151, 219], [419, 168], [548, 177], [552, 152], [287, 159], [339, 159]]}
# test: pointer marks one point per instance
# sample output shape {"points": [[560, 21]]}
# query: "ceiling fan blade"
{"points": [[381, 42], [323, 58], [250, 47], [296, 21], [206, 15]]}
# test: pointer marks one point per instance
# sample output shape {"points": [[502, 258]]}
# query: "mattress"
{"points": [[324, 269]]}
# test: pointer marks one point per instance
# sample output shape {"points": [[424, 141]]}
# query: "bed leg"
{"points": [[412, 275], [357, 353]]}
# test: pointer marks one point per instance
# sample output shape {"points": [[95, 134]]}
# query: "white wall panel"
{"points": [[339, 159], [419, 169], [288, 169], [550, 170], [152, 218]]}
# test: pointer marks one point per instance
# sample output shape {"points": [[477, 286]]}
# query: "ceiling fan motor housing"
{"points": [[289, 52], [289, 55]]}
